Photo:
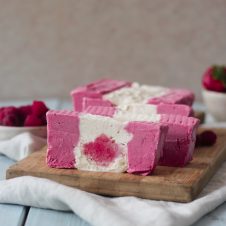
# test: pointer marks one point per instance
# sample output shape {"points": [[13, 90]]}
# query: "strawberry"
{"points": [[214, 79]]}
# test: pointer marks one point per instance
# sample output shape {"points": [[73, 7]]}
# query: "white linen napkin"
{"points": [[21, 145], [123, 211]]}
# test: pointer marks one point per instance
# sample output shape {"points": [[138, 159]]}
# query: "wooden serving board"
{"points": [[167, 183]]}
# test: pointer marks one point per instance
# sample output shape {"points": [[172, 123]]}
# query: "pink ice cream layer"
{"points": [[143, 150], [180, 139], [174, 96], [62, 137], [95, 92], [170, 109]]}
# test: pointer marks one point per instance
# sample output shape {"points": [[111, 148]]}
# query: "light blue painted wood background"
{"points": [[14, 215]]}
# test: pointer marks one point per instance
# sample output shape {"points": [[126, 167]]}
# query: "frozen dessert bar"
{"points": [[102, 143], [180, 139], [114, 92]]}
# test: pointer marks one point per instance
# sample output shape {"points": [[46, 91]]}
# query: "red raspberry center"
{"points": [[103, 150]]}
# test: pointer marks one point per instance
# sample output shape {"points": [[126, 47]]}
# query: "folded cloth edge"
{"points": [[97, 210]]}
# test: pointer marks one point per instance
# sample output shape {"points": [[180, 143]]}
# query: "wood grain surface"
{"points": [[166, 183]]}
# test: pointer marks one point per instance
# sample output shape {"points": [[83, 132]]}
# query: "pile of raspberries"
{"points": [[29, 115]]}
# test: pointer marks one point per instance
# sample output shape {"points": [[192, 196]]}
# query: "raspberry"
{"points": [[28, 115], [11, 120], [43, 118], [33, 120], [10, 110], [9, 116], [24, 111], [2, 114], [206, 138], [39, 108]]}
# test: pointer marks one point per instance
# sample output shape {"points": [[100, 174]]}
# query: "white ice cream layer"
{"points": [[135, 94], [139, 108], [96, 126], [137, 112]]}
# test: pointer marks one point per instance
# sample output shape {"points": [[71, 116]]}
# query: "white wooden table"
{"points": [[15, 215]]}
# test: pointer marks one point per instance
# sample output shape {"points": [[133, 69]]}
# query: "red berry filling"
{"points": [[103, 150]]}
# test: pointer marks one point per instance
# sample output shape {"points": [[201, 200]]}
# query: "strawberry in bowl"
{"points": [[214, 79], [29, 118], [214, 91]]}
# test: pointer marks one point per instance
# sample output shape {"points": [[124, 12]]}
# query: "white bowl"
{"points": [[215, 103], [8, 132]]}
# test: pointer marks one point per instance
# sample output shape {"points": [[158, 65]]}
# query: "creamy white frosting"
{"points": [[135, 94], [96, 126]]}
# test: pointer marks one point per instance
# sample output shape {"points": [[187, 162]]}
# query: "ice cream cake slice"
{"points": [[108, 92], [180, 139], [102, 143]]}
